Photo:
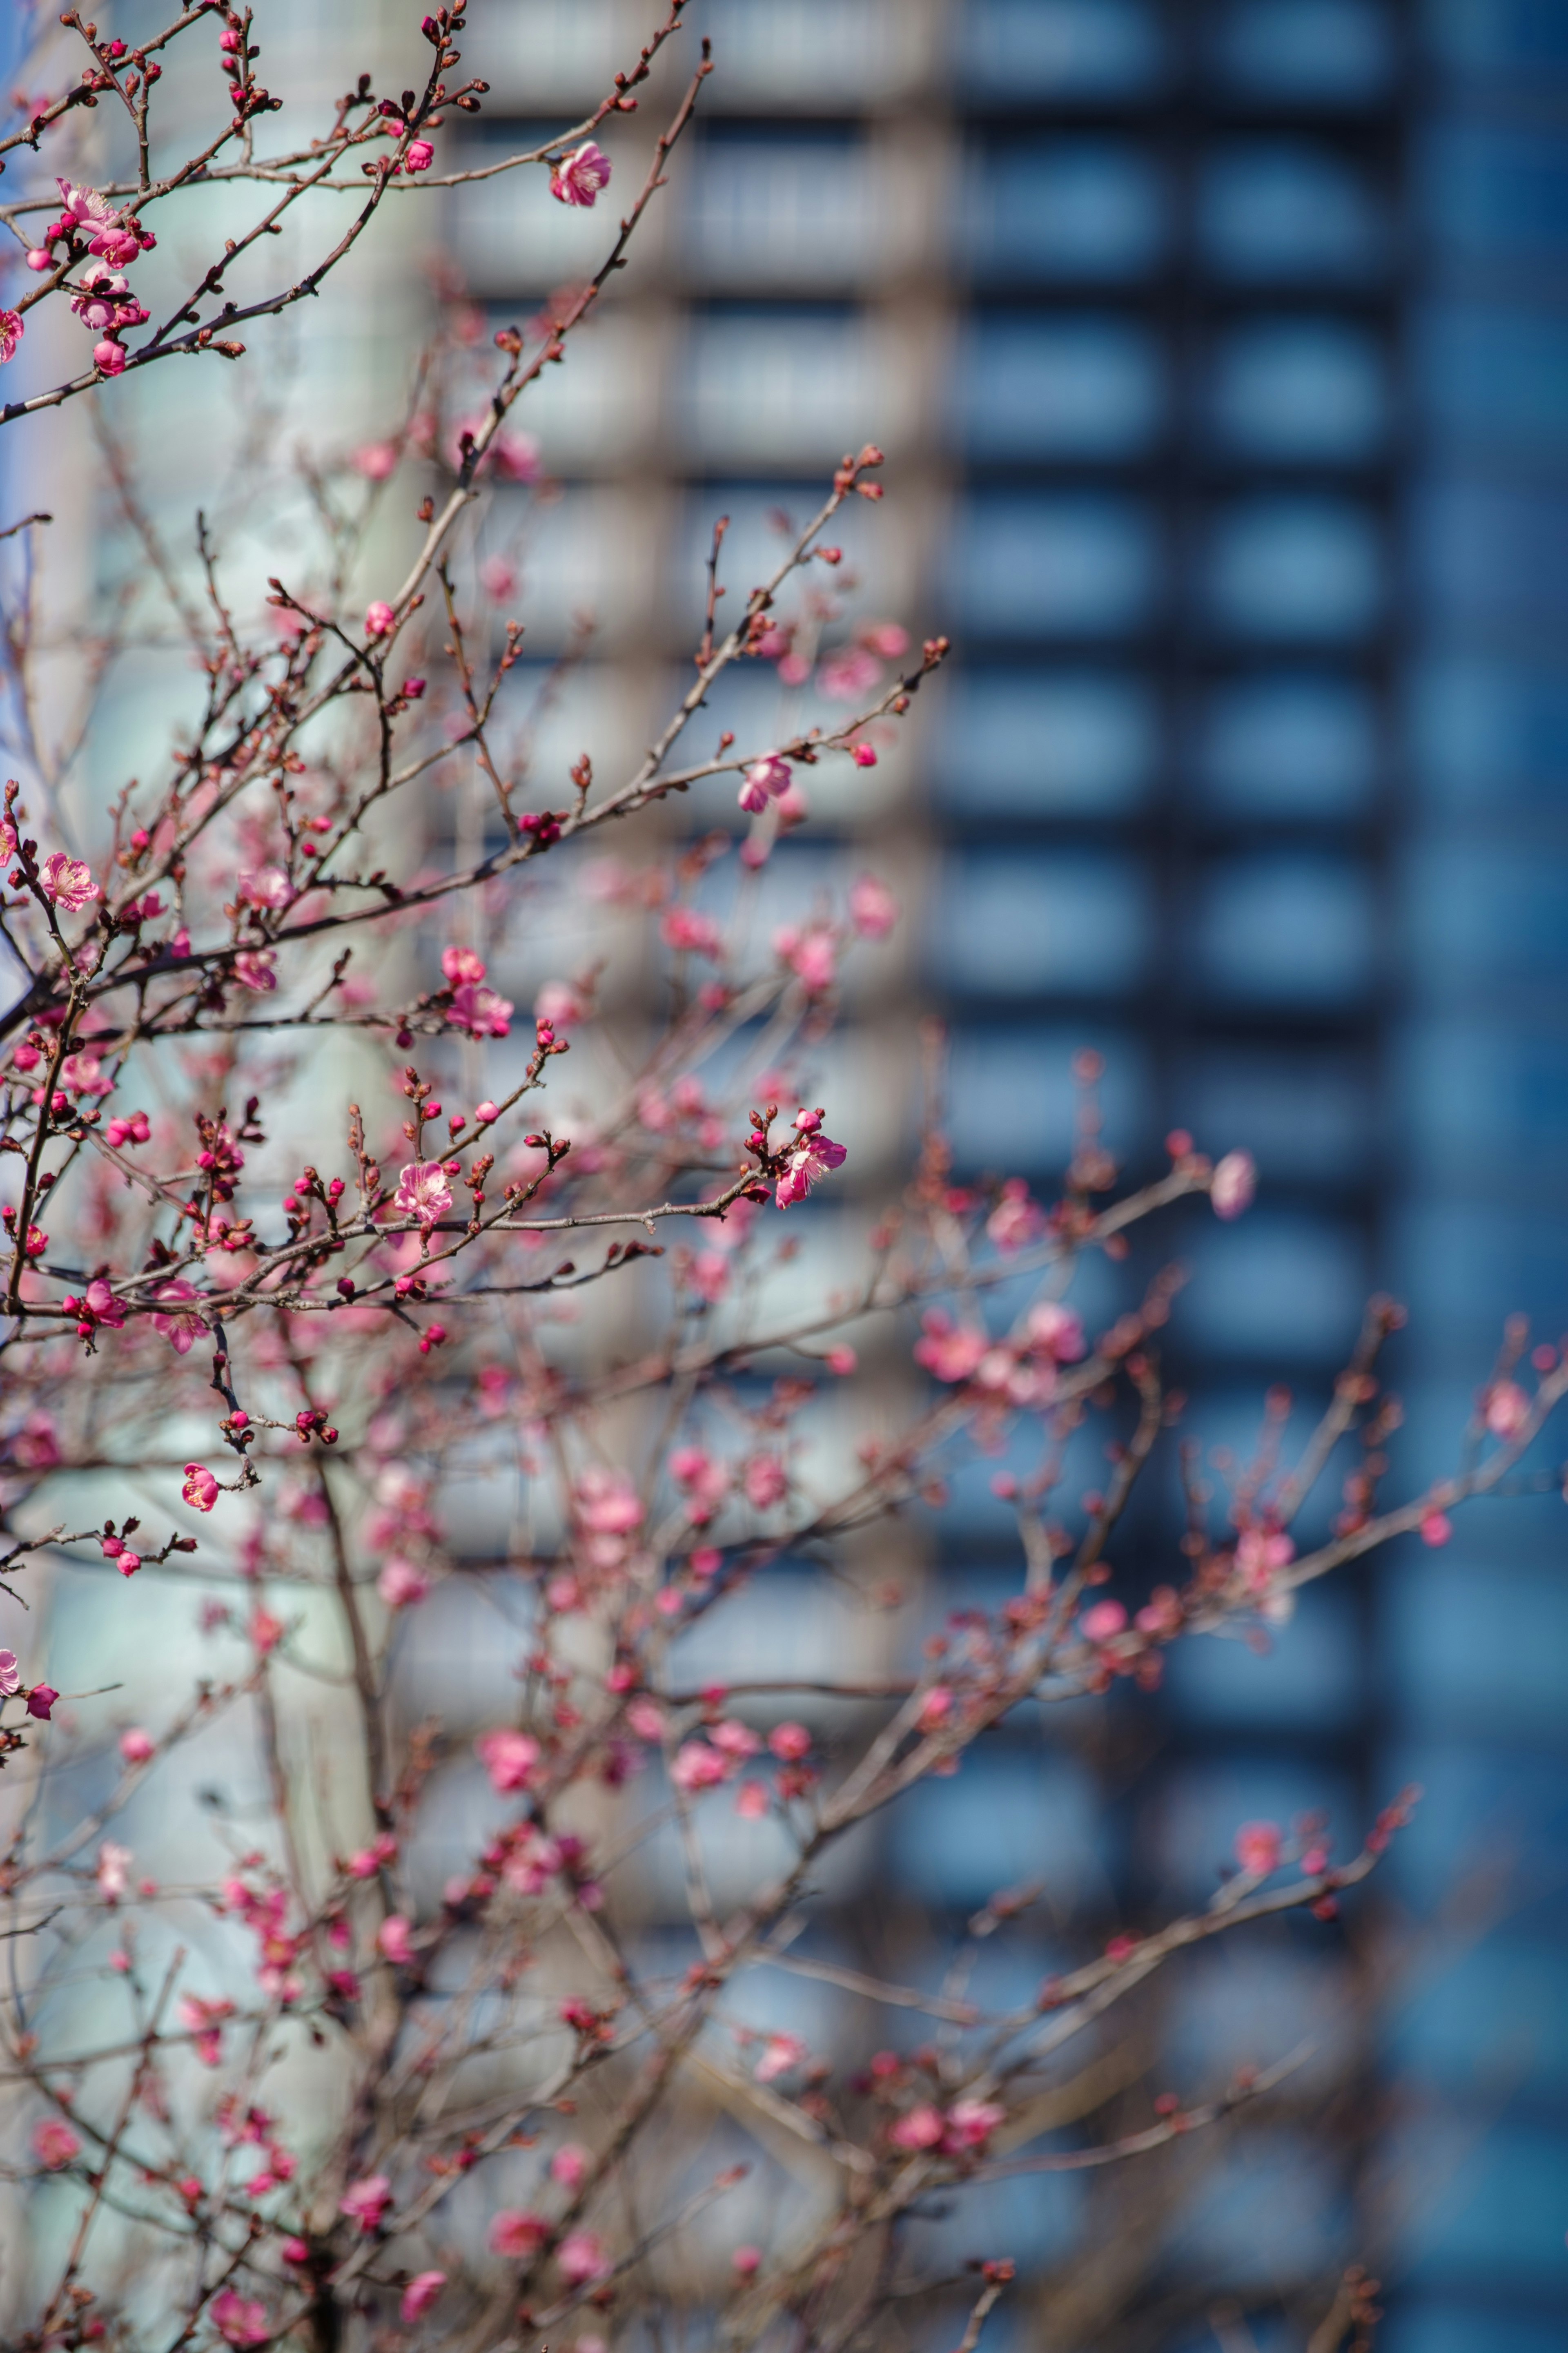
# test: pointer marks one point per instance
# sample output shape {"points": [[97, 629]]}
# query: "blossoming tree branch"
{"points": [[318, 2094]]}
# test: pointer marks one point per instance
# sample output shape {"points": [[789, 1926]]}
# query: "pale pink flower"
{"points": [[181, 1326], [703, 1481], [509, 1758], [114, 1871], [780, 2053], [105, 299], [205, 2019], [1056, 1330], [848, 674], [889, 638], [686, 931], [949, 1351], [790, 1742], [255, 968], [923, 2127], [1260, 1555], [1017, 1220], [1507, 1409], [481, 1011], [462, 964], [568, 2166], [698, 1766], [83, 207], [559, 1004], [265, 1631], [10, 1673], [810, 956], [68, 882], [420, 2295], [516, 2234], [1102, 1621], [970, 2123], [734, 1738], [767, 779], [873, 910], [752, 1800], [498, 578], [607, 1502], [1258, 1848], [366, 2202], [401, 1585], [1233, 1184], [423, 1192], [201, 1488], [380, 620], [136, 1745], [375, 460], [766, 1482], [392, 1940], [579, 176], [581, 2257], [83, 1074], [10, 333], [746, 2260], [810, 1158], [241, 2320], [1436, 1528], [267, 887], [54, 2143]]}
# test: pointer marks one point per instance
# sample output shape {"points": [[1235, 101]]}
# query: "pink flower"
{"points": [[380, 620], [734, 1738], [367, 2201], [698, 1766], [392, 1940], [923, 2127], [418, 156], [11, 331], [812, 1157], [766, 1481], [423, 1192], [516, 2234], [401, 1585], [810, 956], [1056, 1330], [509, 1758], [462, 964], [949, 1351], [421, 2293], [780, 2053], [105, 1307], [752, 1800], [935, 1708], [581, 2257], [181, 1326], [746, 2260], [54, 2143], [1258, 1848], [514, 456], [889, 638], [685, 930], [970, 2123], [1507, 1408], [268, 887], [1260, 1555], [200, 1488], [1233, 1184], [136, 1745], [481, 1011], [41, 1700], [559, 1004], [873, 910], [255, 968], [204, 2020], [10, 1673], [848, 674], [114, 1871], [1435, 1528], [767, 779], [68, 882], [1102, 1621], [704, 1482], [375, 460], [568, 2166], [498, 578], [109, 356], [240, 2319], [578, 178], [265, 1631], [790, 1742], [608, 1504]]}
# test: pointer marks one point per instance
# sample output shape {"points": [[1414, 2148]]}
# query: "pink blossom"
{"points": [[268, 887], [1056, 1330], [848, 674], [949, 1351], [265, 1631], [1017, 1220], [581, 2257], [204, 2020], [810, 1158], [1260, 1555], [83, 1074], [418, 156], [136, 1745], [698, 1766], [889, 638], [704, 1482], [11, 331], [181, 1326], [568, 2166], [579, 176], [780, 2053], [1258, 1848], [767, 779], [498, 578], [1104, 1621], [54, 2143], [132, 1128], [733, 1738], [514, 456], [923, 2127], [423, 1192], [1507, 1408], [810, 956], [105, 1308], [375, 460], [686, 931], [68, 882], [1435, 1528], [420, 2295], [114, 1871], [752, 1800], [766, 1482], [1233, 1184], [746, 2260], [935, 1708], [200, 1488], [790, 1742], [41, 1700], [366, 2202], [970, 2123], [559, 1004], [392, 1940], [109, 356], [240, 2319], [10, 1673], [401, 1585], [607, 1502], [380, 620], [873, 910], [509, 1758], [481, 1011], [516, 2234], [255, 968], [462, 964]]}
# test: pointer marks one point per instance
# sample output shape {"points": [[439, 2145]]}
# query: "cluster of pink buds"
{"points": [[102, 301]]}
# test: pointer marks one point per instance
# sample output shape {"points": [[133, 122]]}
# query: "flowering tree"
{"points": [[329, 2090]]}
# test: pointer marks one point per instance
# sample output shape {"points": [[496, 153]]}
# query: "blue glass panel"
{"points": [[1073, 566], [1003, 1820], [1488, 735], [1299, 389], [1286, 210], [1058, 48], [1494, 379], [1012, 1103], [1295, 567], [1275, 1287], [1042, 388], [1463, 1268], [1473, 1098], [1496, 35], [1266, 2212], [1482, 1809], [1192, 1825], [1310, 51], [1473, 2212], [1311, 1116], [1290, 745], [1074, 922], [1479, 913], [1021, 742], [1310, 1678], [1480, 2020], [1074, 208], [1449, 1626], [1495, 194], [1453, 2326], [1488, 555], [1242, 1998], [1272, 929]]}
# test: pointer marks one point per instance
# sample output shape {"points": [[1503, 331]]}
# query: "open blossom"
{"points": [[481, 1011], [559, 1004], [367, 2201], [268, 887], [1259, 1847], [685, 930], [698, 1766], [949, 1351], [241, 2320], [704, 1483], [766, 1481], [401, 1585], [393, 1941], [114, 1871], [582, 2257], [767, 779], [1233, 1184], [378, 619], [10, 1673], [420, 2295], [516, 2234], [54, 2143], [181, 1326], [68, 882], [608, 1504], [780, 2053], [201, 1487], [810, 955], [812, 1157], [11, 330], [873, 910], [509, 1758], [923, 2127], [256, 969], [204, 2020], [578, 178], [423, 1192], [970, 2123]]}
